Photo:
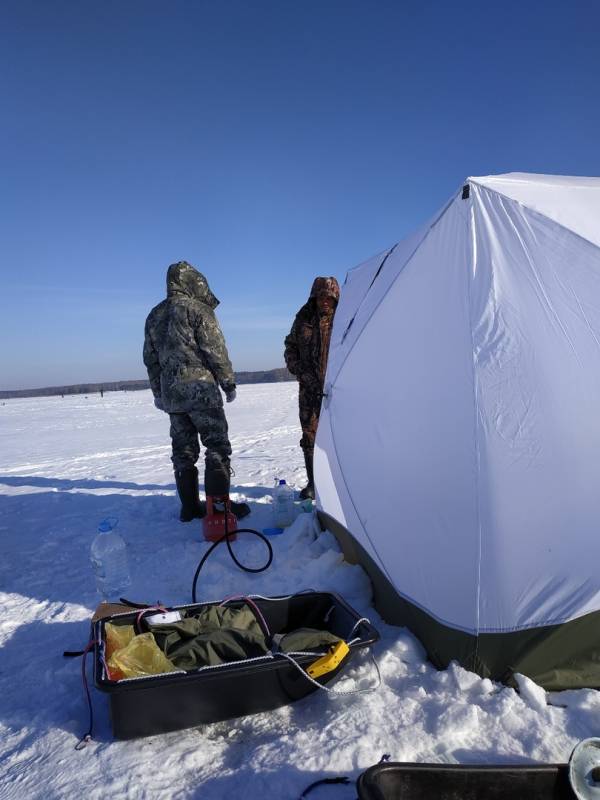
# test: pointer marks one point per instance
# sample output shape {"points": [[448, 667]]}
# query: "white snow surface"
{"points": [[65, 464]]}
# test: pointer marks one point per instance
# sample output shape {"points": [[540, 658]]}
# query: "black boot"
{"points": [[240, 510], [216, 477], [187, 489], [309, 490], [216, 484]]}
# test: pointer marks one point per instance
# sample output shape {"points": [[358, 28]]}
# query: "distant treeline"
{"points": [[265, 376]]}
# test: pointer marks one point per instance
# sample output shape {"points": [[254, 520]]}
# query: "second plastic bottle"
{"points": [[283, 505], [109, 560]]}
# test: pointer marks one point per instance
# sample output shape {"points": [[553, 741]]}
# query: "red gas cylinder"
{"points": [[219, 519]]}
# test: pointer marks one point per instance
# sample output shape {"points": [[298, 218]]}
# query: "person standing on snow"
{"points": [[187, 361], [306, 352]]}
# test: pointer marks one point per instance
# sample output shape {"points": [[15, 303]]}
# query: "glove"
{"points": [[230, 395], [158, 403]]}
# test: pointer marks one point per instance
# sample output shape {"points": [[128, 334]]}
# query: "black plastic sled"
{"points": [[161, 703], [396, 781]]}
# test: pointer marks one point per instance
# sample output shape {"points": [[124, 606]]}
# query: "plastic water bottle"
{"points": [[283, 505], [109, 560]]}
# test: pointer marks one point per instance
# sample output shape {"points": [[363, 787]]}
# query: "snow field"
{"points": [[65, 464]]}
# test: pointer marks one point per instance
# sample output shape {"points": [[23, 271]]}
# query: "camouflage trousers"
{"points": [[210, 424], [310, 408]]}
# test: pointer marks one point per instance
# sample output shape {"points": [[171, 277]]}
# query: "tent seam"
{"points": [[471, 265], [358, 517]]}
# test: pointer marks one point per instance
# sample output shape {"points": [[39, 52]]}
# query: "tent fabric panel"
{"points": [[365, 289], [536, 333], [331, 492], [402, 416], [328, 483], [573, 202], [354, 289]]}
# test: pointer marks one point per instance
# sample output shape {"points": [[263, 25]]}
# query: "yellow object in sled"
{"points": [[141, 657], [330, 661], [117, 637]]}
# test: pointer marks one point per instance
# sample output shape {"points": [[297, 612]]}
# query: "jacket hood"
{"points": [[184, 279], [328, 287]]}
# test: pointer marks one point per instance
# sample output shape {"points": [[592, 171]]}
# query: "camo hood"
{"points": [[185, 280], [327, 287]]}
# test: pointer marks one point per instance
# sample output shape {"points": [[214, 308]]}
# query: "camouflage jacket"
{"points": [[307, 345], [184, 350]]}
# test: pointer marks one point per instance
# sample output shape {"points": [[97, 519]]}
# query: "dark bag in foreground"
{"points": [[159, 703], [458, 782]]}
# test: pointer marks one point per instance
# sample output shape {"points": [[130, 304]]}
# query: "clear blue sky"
{"points": [[264, 142]]}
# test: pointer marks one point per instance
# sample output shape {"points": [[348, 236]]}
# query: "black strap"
{"points": [[323, 781], [73, 653], [341, 780], [127, 602]]}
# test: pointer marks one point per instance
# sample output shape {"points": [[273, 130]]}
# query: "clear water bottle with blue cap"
{"points": [[284, 510], [109, 560]]}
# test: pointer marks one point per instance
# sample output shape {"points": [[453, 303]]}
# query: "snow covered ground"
{"points": [[65, 464]]}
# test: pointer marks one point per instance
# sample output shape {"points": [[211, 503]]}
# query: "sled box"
{"points": [[451, 781], [160, 703]]}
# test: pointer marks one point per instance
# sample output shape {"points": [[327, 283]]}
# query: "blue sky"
{"points": [[264, 142]]}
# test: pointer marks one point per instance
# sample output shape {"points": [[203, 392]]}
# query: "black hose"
{"points": [[226, 538]]}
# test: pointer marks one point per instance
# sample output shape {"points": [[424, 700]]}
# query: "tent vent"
{"points": [[466, 191], [385, 258], [347, 329], [387, 255]]}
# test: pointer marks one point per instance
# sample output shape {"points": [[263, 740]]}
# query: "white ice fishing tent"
{"points": [[458, 452]]}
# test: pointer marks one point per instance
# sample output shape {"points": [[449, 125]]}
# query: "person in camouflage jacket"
{"points": [[306, 353], [187, 361]]}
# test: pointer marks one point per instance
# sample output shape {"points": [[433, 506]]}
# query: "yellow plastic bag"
{"points": [[141, 657], [117, 637]]}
